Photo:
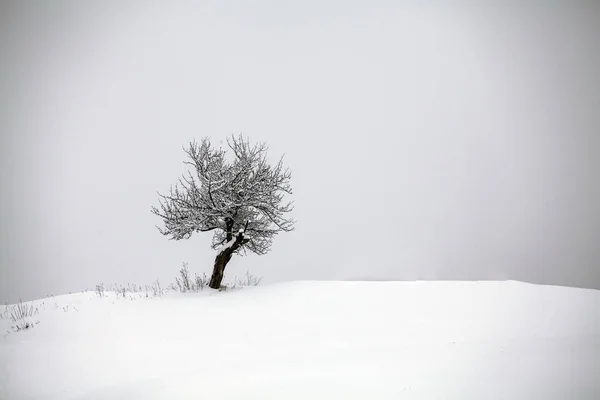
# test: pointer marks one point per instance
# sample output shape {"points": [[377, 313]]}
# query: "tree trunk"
{"points": [[219, 269], [223, 258]]}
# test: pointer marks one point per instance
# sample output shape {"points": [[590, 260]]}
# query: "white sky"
{"points": [[426, 142]]}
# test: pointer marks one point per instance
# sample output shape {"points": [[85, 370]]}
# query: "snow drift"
{"points": [[312, 340]]}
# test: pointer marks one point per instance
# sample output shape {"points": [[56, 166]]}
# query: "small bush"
{"points": [[20, 314], [184, 283], [156, 289], [183, 280], [21, 311], [100, 289], [250, 280], [200, 282]]}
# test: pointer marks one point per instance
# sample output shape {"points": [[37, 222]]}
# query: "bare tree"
{"points": [[240, 199]]}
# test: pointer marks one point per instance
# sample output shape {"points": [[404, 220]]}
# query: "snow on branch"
{"points": [[225, 196]]}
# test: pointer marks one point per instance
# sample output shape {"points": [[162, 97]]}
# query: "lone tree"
{"points": [[240, 199]]}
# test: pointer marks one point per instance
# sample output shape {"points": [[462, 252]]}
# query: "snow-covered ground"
{"points": [[312, 340]]}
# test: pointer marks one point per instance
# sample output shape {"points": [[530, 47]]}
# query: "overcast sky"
{"points": [[426, 142]]}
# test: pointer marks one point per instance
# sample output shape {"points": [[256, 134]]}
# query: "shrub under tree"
{"points": [[237, 194]]}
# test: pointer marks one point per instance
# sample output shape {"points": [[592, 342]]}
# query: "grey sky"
{"points": [[425, 142]]}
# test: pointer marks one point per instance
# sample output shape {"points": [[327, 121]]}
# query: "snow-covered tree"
{"points": [[235, 194]]}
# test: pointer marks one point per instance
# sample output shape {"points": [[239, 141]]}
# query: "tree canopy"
{"points": [[229, 192]]}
